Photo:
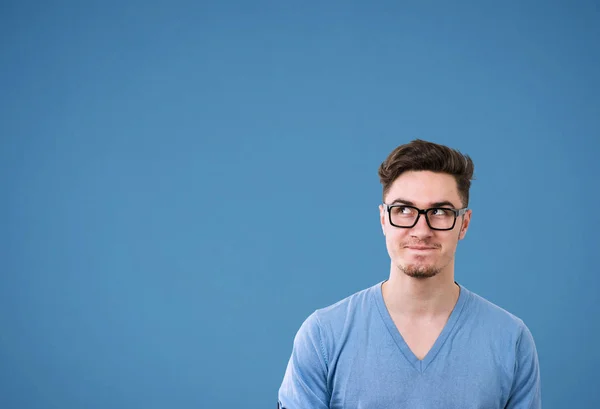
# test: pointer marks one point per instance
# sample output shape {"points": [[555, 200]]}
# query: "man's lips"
{"points": [[420, 247]]}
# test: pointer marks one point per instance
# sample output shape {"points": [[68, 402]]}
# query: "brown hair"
{"points": [[423, 155]]}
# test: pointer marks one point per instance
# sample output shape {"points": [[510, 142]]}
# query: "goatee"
{"points": [[419, 271]]}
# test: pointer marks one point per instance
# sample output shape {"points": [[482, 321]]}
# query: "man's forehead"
{"points": [[432, 203], [424, 189]]}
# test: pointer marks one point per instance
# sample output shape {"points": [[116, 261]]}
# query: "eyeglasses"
{"points": [[438, 218]]}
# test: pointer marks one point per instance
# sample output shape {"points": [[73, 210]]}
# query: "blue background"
{"points": [[183, 183]]}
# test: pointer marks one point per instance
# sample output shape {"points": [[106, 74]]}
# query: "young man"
{"points": [[418, 340]]}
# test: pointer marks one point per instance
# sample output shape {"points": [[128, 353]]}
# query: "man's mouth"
{"points": [[421, 247]]}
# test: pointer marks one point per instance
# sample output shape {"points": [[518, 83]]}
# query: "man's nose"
{"points": [[421, 228]]}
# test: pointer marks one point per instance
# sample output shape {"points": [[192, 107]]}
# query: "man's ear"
{"points": [[465, 224], [382, 218]]}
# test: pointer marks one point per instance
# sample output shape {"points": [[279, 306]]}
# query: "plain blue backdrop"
{"points": [[183, 183]]}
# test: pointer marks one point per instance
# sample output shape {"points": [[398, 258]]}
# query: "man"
{"points": [[418, 340]]}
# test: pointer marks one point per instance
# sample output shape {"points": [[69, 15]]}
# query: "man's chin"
{"points": [[419, 272]]}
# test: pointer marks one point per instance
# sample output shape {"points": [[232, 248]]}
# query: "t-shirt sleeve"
{"points": [[526, 389], [304, 384]]}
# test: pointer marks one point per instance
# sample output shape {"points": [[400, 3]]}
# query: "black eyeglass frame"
{"points": [[457, 213]]}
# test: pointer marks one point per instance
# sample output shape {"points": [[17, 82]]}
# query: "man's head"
{"points": [[425, 175]]}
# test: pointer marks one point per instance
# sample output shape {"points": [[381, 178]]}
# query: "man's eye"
{"points": [[442, 212], [405, 210]]}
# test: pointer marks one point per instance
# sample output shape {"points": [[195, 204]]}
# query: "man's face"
{"points": [[420, 251]]}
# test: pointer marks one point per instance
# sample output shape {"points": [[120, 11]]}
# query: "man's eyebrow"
{"points": [[435, 204], [444, 203], [403, 201]]}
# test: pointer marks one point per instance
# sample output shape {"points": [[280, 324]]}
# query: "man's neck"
{"points": [[416, 298]]}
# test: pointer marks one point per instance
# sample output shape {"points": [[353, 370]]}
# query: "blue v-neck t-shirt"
{"points": [[351, 355]]}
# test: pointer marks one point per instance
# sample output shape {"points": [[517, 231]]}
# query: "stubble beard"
{"points": [[419, 272]]}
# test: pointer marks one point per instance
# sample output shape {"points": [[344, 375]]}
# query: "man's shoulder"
{"points": [[495, 326], [489, 313], [344, 310], [350, 302]]}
